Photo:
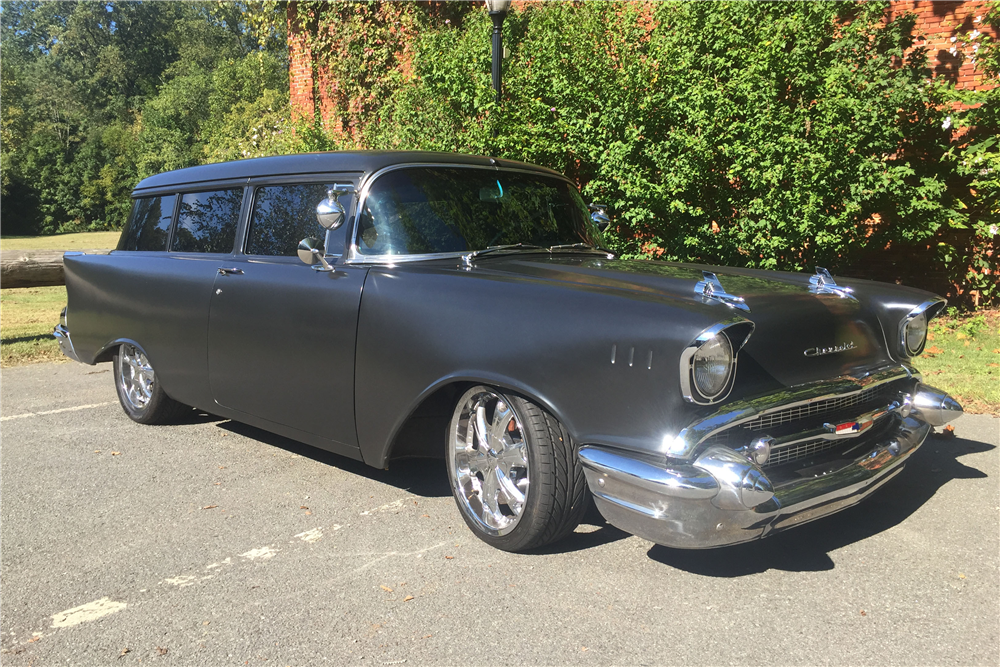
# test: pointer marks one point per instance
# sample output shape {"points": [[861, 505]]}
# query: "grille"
{"points": [[800, 451], [814, 409], [804, 417]]}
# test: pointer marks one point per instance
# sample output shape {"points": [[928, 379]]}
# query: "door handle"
{"points": [[230, 272]]}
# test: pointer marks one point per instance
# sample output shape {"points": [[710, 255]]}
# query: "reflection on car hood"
{"points": [[800, 336]]}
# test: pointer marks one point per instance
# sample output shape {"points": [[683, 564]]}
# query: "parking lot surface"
{"points": [[214, 543]]}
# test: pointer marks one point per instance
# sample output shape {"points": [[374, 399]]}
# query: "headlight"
{"points": [[915, 334], [712, 365], [708, 364], [913, 327]]}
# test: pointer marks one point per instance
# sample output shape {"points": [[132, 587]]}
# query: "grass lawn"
{"points": [[27, 317], [80, 241], [962, 357]]}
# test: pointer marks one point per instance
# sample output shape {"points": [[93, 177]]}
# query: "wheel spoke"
{"points": [[512, 495], [482, 432], [498, 429]]}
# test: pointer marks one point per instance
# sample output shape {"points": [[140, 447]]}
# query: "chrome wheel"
{"points": [[135, 377], [488, 460]]}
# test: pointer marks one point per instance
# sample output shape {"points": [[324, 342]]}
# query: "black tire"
{"points": [[557, 496], [141, 396]]}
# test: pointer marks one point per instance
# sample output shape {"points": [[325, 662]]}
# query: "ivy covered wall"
{"points": [[858, 136]]}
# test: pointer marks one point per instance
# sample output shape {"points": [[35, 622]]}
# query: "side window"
{"points": [[149, 224], [207, 221], [283, 215]]}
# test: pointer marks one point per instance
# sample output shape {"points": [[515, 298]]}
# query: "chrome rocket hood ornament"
{"points": [[711, 288], [823, 283]]}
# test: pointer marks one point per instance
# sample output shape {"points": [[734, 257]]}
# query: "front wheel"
{"points": [[141, 396], [514, 471]]}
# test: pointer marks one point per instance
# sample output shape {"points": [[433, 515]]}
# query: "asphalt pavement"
{"points": [[214, 543]]}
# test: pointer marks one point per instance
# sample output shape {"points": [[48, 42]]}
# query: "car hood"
{"points": [[799, 336]]}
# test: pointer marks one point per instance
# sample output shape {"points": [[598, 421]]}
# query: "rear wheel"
{"points": [[139, 393], [513, 471]]}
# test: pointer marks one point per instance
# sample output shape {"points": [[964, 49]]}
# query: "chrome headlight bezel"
{"points": [[921, 314], [733, 334]]}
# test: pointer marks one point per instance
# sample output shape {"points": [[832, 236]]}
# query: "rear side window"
{"points": [[149, 224], [283, 215], [207, 221]]}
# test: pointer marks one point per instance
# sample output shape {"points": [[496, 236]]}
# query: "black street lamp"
{"points": [[498, 12]]}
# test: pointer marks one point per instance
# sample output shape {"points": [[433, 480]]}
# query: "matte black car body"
{"points": [[368, 361]]}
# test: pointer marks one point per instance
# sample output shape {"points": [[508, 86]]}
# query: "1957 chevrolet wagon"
{"points": [[385, 305]]}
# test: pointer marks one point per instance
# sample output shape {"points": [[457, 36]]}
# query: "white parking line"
{"points": [[87, 612], [54, 412]]}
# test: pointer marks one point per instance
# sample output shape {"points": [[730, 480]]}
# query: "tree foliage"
{"points": [[99, 94]]}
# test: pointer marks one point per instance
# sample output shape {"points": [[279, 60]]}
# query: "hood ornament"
{"points": [[711, 288], [823, 283]]}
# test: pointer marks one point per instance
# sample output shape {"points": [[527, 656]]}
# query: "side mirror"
{"points": [[311, 252], [599, 215], [330, 212]]}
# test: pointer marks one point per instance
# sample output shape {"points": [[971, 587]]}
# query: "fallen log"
{"points": [[35, 268]]}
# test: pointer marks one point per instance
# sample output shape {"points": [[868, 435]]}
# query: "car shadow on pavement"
{"points": [[421, 477], [807, 548]]}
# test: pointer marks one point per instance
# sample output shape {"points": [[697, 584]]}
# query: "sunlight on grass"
{"points": [[962, 357], [27, 317], [79, 241]]}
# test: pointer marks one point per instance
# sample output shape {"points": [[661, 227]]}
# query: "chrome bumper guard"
{"points": [[722, 497], [61, 334]]}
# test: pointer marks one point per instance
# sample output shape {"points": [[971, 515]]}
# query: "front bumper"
{"points": [[722, 498]]}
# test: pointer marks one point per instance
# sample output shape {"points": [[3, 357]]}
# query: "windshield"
{"points": [[424, 210]]}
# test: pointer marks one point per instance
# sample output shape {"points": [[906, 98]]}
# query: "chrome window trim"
{"points": [[354, 255], [684, 444], [686, 366], [930, 308]]}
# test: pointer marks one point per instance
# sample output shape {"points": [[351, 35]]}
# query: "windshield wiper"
{"points": [[498, 248], [580, 246]]}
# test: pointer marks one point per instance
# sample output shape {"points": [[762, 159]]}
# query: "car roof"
{"points": [[362, 162]]}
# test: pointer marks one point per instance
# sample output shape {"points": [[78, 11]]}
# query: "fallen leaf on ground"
{"points": [[386, 589], [303, 507], [934, 349], [449, 557], [427, 516], [863, 613], [33, 640], [115, 453], [209, 507], [124, 651], [407, 598], [97, 451], [161, 651]]}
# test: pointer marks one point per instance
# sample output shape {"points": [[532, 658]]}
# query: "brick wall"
{"points": [[938, 23]]}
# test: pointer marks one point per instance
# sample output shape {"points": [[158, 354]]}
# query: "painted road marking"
{"points": [[55, 412], [87, 612], [260, 554]]}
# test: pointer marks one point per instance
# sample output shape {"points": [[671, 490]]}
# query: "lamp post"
{"points": [[498, 12]]}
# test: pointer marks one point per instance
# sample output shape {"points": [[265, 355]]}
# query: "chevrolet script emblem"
{"points": [[820, 351]]}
